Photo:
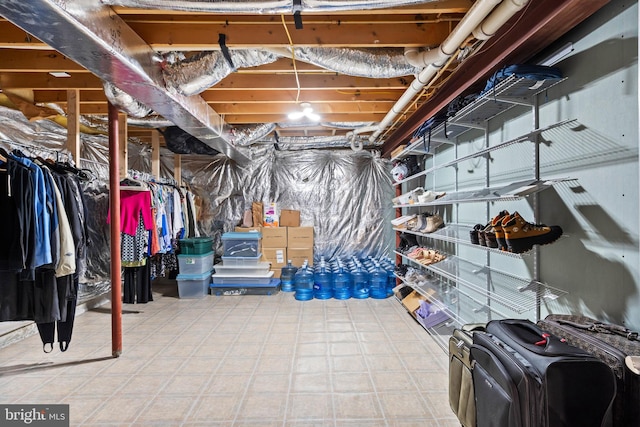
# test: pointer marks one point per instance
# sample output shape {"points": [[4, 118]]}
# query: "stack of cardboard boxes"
{"points": [[288, 241]]}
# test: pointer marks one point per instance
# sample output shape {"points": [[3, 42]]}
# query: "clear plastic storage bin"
{"points": [[241, 244], [193, 285], [242, 279], [195, 264], [250, 262], [258, 268]]}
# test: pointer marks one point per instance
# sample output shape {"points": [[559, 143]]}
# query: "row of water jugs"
{"points": [[351, 278]]}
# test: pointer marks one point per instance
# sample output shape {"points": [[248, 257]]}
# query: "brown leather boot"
{"points": [[522, 235], [496, 223]]}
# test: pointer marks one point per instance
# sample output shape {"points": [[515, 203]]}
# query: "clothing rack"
{"points": [[30, 148], [150, 178]]}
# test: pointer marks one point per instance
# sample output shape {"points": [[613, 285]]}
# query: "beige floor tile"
{"points": [[167, 409], [144, 385], [262, 406], [215, 408], [344, 348], [186, 384], [356, 406], [311, 364], [317, 382], [228, 384], [80, 408], [236, 365], [384, 363], [101, 385], [312, 337], [397, 404], [277, 383], [353, 363], [311, 349], [118, 410], [274, 364], [351, 382], [236, 361], [393, 381], [309, 407]]}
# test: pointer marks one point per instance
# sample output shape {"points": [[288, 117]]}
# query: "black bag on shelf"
{"points": [[526, 377], [527, 71], [615, 345], [413, 164], [425, 129]]}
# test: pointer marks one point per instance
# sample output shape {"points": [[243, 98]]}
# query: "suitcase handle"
{"points": [[606, 328], [526, 334]]}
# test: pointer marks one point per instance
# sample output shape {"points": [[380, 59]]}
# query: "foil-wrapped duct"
{"points": [[125, 102], [247, 135], [261, 6], [295, 143], [373, 63], [101, 122], [200, 72]]}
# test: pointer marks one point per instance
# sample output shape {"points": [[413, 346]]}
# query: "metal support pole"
{"points": [[114, 206]]}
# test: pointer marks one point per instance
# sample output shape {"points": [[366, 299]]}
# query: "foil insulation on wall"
{"points": [[345, 195]]}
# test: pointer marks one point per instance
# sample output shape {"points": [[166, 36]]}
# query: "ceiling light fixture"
{"points": [[59, 74], [307, 112]]}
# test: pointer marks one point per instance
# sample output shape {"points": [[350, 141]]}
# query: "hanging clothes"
{"points": [[43, 209]]}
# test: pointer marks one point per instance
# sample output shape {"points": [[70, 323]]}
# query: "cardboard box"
{"points": [[289, 218], [247, 229], [412, 301], [270, 217], [300, 237], [274, 237], [276, 256], [299, 255]]}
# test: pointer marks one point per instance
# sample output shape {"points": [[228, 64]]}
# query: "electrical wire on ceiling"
{"points": [[293, 57]]}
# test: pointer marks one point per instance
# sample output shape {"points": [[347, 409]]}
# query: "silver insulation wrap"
{"points": [[378, 63], [125, 102], [261, 6], [247, 135], [315, 142], [345, 195], [200, 72]]}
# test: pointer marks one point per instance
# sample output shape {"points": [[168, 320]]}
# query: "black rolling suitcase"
{"points": [[526, 377], [461, 396], [613, 344]]}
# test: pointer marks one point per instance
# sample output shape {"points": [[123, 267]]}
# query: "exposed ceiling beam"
{"points": [[113, 52]]}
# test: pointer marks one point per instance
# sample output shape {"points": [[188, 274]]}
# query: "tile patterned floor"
{"points": [[239, 361]]}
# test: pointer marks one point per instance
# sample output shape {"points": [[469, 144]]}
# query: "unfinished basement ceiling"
{"points": [[233, 75]]}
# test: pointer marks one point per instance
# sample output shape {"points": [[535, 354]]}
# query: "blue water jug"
{"points": [[378, 282], [341, 284], [303, 280], [359, 283], [322, 282], [287, 277]]}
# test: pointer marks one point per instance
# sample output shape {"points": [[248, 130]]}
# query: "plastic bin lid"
{"points": [[244, 275], [194, 276], [197, 239], [272, 284], [244, 258], [204, 255], [242, 235]]}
